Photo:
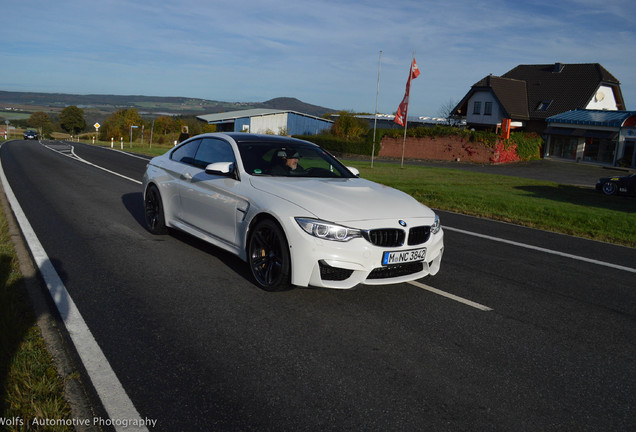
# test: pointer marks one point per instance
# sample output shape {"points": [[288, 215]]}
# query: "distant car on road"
{"points": [[30, 135], [615, 185], [295, 213]]}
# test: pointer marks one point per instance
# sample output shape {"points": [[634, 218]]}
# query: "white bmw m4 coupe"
{"points": [[292, 211]]}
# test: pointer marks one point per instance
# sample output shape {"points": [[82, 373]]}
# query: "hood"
{"points": [[343, 200]]}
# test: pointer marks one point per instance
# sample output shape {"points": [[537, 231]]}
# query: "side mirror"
{"points": [[220, 168], [354, 171]]}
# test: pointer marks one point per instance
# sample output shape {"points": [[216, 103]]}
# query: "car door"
{"points": [[212, 203], [181, 160]]}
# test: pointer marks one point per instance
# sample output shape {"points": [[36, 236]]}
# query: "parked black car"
{"points": [[30, 134], [615, 185]]}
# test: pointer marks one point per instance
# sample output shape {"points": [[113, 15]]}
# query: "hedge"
{"points": [[528, 144]]}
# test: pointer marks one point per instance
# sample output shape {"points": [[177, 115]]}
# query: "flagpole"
{"points": [[406, 114], [375, 118]]}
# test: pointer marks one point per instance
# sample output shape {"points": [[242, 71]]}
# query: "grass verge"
{"points": [[135, 147], [30, 386]]}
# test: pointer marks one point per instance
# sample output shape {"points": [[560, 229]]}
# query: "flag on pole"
{"points": [[415, 71], [400, 116], [403, 109]]}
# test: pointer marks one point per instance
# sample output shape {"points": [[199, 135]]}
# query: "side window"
{"points": [[185, 153], [213, 150], [488, 108], [477, 107]]}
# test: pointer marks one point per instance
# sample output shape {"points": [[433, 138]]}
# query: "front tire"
{"points": [[153, 209], [610, 188], [268, 255]]}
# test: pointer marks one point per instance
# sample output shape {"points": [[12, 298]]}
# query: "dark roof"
{"points": [[536, 92], [562, 87], [511, 94]]}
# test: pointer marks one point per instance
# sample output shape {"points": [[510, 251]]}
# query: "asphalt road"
{"points": [[198, 347]]}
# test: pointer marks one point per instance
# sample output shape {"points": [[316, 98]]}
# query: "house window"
{"points": [[477, 108], [544, 105], [488, 108]]}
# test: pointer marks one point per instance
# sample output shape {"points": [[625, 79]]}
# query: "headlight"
{"points": [[327, 231], [436, 226]]}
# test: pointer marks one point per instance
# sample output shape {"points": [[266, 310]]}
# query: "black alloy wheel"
{"points": [[269, 259], [154, 211], [610, 188]]}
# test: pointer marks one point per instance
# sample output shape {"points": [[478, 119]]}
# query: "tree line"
{"points": [[120, 124]]}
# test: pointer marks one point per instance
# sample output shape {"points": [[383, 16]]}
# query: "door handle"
{"points": [[187, 176]]}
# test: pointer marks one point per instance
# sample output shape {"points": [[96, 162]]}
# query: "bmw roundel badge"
{"points": [[401, 222]]}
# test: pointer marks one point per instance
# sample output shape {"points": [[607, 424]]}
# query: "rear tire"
{"points": [[153, 209], [268, 256]]}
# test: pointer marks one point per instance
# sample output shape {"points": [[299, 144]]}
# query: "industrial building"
{"points": [[271, 121]]}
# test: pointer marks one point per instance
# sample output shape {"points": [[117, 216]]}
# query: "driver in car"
{"points": [[286, 163]]}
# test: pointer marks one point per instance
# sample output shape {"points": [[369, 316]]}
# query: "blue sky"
{"points": [[323, 52]]}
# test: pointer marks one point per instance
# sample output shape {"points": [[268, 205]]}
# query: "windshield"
{"points": [[284, 159]]}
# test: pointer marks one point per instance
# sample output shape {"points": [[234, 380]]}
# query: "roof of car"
{"points": [[249, 137]]}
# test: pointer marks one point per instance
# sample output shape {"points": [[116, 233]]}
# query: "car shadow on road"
{"points": [[582, 196], [133, 202]]}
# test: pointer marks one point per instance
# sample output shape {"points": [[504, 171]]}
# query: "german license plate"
{"points": [[400, 257]]}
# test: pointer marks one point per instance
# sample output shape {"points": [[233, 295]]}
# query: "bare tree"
{"points": [[446, 111]]}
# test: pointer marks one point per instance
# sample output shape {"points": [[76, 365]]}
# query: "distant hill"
{"points": [[287, 103], [153, 105]]}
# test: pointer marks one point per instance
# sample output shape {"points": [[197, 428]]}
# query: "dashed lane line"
{"points": [[451, 296]]}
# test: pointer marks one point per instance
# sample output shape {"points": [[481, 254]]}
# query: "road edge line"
{"points": [[542, 249]]}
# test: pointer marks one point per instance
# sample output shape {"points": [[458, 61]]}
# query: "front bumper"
{"points": [[330, 264]]}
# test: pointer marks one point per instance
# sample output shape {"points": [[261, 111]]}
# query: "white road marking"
{"points": [[112, 394], [451, 296], [73, 155], [540, 249]]}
